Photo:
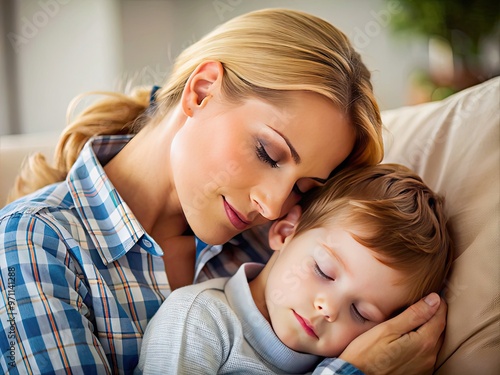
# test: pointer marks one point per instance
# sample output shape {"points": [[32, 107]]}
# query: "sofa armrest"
{"points": [[14, 149]]}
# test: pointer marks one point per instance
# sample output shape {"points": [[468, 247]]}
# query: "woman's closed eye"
{"points": [[264, 156], [305, 184]]}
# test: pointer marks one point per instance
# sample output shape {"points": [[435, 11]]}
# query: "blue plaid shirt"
{"points": [[80, 278]]}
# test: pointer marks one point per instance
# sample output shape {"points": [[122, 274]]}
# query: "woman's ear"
{"points": [[283, 228], [201, 85]]}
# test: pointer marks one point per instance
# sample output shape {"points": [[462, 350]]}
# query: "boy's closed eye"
{"points": [[354, 310], [320, 273]]}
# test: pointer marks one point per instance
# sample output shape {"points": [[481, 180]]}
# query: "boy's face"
{"points": [[325, 289]]}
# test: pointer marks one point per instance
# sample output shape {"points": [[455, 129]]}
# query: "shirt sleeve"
{"points": [[336, 366], [186, 336], [47, 327]]}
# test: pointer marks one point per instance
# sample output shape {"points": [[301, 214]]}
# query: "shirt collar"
{"points": [[109, 221], [257, 329]]}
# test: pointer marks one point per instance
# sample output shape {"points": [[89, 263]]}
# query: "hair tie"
{"points": [[152, 96]]}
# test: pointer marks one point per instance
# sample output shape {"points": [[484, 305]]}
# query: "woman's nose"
{"points": [[270, 199], [326, 308]]}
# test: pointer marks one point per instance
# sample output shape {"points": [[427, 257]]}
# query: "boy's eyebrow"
{"points": [[332, 253]]}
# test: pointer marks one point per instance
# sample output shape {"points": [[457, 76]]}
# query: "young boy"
{"points": [[370, 242]]}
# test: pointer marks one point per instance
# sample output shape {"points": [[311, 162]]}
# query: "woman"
{"points": [[253, 116]]}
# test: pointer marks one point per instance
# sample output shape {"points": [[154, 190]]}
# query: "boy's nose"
{"points": [[328, 310]]}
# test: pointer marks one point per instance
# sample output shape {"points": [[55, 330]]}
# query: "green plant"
{"points": [[463, 23]]}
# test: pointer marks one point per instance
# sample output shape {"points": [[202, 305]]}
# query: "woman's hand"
{"points": [[407, 344]]}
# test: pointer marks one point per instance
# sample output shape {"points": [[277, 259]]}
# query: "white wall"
{"points": [[148, 33], [365, 21], [65, 47], [6, 96], [62, 48]]}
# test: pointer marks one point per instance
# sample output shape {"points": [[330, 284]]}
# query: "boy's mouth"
{"points": [[306, 325]]}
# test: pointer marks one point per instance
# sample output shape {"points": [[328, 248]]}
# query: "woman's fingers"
{"points": [[416, 315], [437, 322], [404, 345]]}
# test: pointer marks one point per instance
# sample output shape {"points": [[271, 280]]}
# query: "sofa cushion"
{"points": [[454, 145]]}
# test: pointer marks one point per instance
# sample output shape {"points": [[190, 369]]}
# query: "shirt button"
{"points": [[147, 243]]}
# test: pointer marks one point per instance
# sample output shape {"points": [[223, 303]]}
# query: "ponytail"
{"points": [[115, 114]]}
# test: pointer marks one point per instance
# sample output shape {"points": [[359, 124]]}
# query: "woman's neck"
{"points": [[141, 173], [179, 256]]}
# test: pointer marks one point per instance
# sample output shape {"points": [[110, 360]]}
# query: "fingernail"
{"points": [[432, 299]]}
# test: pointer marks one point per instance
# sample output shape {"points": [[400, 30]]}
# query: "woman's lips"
{"points": [[235, 217], [306, 325]]}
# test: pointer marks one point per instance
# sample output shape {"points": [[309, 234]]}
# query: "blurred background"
{"points": [[53, 50]]}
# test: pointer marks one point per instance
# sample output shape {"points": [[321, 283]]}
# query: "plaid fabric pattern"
{"points": [[80, 279], [336, 366]]}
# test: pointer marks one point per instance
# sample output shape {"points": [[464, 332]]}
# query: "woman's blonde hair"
{"points": [[263, 54], [390, 210]]}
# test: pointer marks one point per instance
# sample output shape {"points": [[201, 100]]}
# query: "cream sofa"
{"points": [[14, 149], [454, 145]]}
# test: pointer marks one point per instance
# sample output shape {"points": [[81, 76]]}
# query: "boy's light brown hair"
{"points": [[390, 210]]}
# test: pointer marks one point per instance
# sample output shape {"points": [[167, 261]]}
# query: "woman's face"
{"points": [[237, 166]]}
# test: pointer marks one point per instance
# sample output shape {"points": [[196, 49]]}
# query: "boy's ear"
{"points": [[283, 228], [201, 86]]}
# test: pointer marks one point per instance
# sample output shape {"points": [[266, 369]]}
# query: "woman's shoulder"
{"points": [[52, 197], [50, 207]]}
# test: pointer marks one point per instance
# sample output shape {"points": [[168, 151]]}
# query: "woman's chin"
{"points": [[214, 238]]}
